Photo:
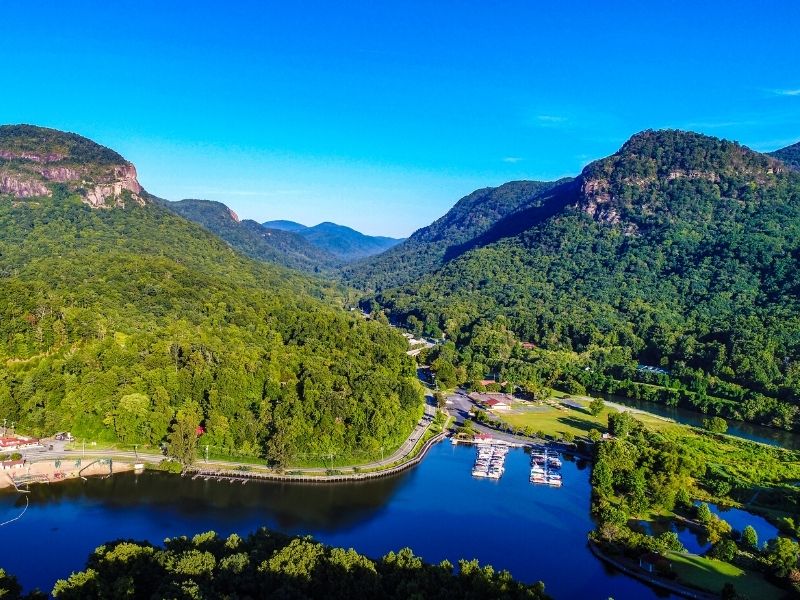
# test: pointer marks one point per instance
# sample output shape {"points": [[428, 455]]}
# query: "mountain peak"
{"points": [[662, 152], [34, 160], [657, 159], [790, 155]]}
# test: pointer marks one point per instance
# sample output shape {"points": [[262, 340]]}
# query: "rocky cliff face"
{"points": [[33, 159], [650, 175]]}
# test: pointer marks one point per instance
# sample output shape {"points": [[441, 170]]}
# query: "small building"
{"points": [[572, 404], [496, 404], [528, 345], [482, 438], [11, 443], [9, 465], [491, 400]]}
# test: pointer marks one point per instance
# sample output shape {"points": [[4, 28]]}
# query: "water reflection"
{"points": [[748, 431], [437, 509]]}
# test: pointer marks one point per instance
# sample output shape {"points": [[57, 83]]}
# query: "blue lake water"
{"points": [[747, 431], [739, 519], [437, 508]]}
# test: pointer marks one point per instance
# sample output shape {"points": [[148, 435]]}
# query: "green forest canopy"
{"points": [[269, 564], [680, 250], [114, 322]]}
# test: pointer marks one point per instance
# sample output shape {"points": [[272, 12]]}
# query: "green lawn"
{"points": [[553, 421], [712, 575], [556, 421]]}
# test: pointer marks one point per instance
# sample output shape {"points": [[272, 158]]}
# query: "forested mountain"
{"points": [[284, 225], [680, 250], [789, 155], [430, 247], [254, 240], [345, 243], [121, 320]]}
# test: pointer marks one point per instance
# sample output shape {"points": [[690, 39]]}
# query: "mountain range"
{"points": [[255, 240], [343, 242], [121, 320], [680, 249], [319, 249]]}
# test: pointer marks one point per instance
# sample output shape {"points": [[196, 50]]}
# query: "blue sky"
{"points": [[381, 115]]}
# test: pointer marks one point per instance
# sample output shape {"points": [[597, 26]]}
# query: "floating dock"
{"points": [[545, 467], [490, 461]]}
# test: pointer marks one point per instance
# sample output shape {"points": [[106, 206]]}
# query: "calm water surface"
{"points": [[438, 509], [748, 431]]}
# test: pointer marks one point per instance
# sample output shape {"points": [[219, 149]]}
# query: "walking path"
{"points": [[388, 464]]}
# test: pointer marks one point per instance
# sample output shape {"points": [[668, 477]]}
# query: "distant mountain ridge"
{"points": [[273, 245], [790, 155], [680, 249], [343, 242], [285, 225], [431, 247]]}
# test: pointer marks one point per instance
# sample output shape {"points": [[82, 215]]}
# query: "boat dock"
{"points": [[546, 467], [490, 461]]}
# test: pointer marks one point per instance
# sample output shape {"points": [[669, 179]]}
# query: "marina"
{"points": [[545, 467], [490, 461]]}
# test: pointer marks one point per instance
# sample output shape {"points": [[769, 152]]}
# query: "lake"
{"points": [[437, 508], [747, 431]]}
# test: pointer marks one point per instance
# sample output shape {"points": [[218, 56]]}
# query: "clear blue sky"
{"points": [[381, 115]]}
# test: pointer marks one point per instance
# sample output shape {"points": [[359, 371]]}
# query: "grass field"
{"points": [[556, 421], [712, 575]]}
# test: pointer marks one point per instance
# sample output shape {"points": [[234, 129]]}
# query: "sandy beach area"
{"points": [[48, 471]]}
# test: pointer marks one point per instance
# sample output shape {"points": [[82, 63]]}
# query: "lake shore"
{"points": [[48, 472]]}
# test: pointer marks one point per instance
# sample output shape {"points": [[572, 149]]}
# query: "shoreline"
{"points": [[47, 472], [650, 579]]}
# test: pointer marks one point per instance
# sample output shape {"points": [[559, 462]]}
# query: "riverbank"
{"points": [[54, 471], [648, 578], [201, 472]]}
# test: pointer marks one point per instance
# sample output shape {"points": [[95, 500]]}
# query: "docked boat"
{"points": [[544, 468]]}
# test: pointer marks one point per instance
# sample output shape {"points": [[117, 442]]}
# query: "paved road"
{"points": [[459, 410], [60, 452]]}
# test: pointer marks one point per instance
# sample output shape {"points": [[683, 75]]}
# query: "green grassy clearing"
{"points": [[711, 574]]}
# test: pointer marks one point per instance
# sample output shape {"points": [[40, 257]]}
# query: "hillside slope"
{"points": [[345, 243], [120, 320], [430, 247], [284, 225], [254, 240], [789, 155], [682, 250]]}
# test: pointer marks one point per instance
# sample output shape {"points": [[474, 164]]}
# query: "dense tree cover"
{"points": [[680, 251], [789, 155], [254, 240], [114, 322], [60, 146], [641, 472], [266, 565], [430, 247]]}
